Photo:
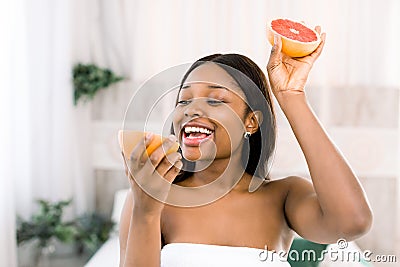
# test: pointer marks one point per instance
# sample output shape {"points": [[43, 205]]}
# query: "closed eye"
{"points": [[214, 102], [183, 102], [210, 101]]}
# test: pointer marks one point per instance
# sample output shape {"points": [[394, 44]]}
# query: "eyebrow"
{"points": [[211, 86]]}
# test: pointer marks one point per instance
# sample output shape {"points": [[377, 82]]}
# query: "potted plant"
{"points": [[92, 230], [44, 227], [89, 78]]}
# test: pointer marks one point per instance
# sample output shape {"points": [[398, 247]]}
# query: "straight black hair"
{"points": [[258, 150]]}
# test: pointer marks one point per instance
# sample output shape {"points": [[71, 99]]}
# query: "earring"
{"points": [[247, 135]]}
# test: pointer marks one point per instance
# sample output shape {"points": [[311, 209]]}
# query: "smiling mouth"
{"points": [[194, 136]]}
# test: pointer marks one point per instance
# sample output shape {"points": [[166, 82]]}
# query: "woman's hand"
{"points": [[151, 177], [289, 75]]}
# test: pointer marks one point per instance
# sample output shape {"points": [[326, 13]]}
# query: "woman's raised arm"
{"points": [[334, 205]]}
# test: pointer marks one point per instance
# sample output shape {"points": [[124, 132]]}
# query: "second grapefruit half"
{"points": [[298, 40]]}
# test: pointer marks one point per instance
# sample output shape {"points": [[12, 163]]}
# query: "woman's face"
{"points": [[211, 110]]}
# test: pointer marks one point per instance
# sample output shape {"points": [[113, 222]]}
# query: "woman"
{"points": [[219, 124]]}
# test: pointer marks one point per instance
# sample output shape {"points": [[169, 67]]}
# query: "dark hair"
{"points": [[252, 81]]}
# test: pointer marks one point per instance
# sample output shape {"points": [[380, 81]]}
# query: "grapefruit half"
{"points": [[128, 139], [298, 40]]}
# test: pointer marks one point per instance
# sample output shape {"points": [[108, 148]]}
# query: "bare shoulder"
{"points": [[299, 185], [286, 190], [289, 184], [291, 179]]}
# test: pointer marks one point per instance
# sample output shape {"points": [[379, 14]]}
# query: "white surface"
{"points": [[119, 200], [108, 254], [200, 255]]}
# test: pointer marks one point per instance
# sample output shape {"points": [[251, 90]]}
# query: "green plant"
{"points": [[89, 231], [92, 230], [46, 224], [89, 78]]}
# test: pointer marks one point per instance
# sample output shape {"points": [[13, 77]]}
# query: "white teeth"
{"points": [[197, 130]]}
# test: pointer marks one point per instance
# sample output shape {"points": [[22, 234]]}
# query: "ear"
{"points": [[253, 121]]}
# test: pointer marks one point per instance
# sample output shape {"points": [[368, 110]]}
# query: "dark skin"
{"points": [[333, 206]]}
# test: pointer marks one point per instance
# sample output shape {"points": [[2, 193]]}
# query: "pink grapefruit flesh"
{"points": [[298, 40]]}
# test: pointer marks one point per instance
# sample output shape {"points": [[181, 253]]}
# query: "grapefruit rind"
{"points": [[294, 48], [128, 139]]}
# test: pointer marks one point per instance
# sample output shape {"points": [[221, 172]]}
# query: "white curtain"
{"points": [[12, 84], [45, 151], [57, 164]]}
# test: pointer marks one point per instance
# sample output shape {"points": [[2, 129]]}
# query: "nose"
{"points": [[194, 109]]}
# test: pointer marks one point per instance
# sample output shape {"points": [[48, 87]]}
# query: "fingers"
{"points": [[318, 29], [173, 171], [158, 155], [124, 160], [277, 47], [318, 51], [275, 58], [135, 159], [168, 162]]}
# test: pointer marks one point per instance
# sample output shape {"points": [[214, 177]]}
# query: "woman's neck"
{"points": [[223, 172], [204, 186]]}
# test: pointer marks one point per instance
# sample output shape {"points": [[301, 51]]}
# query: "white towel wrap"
{"points": [[204, 255]]}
